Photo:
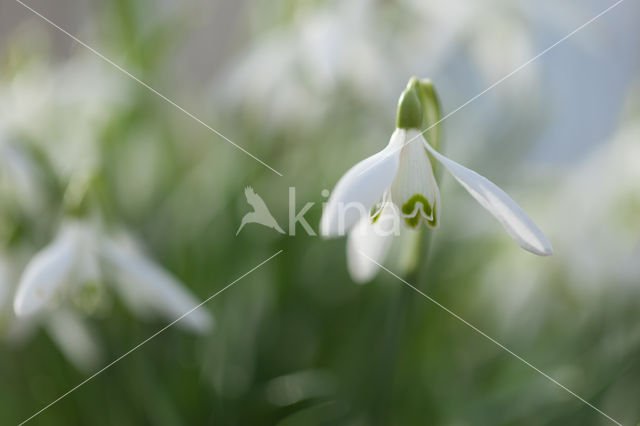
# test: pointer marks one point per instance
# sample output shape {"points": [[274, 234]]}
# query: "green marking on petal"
{"points": [[412, 222], [375, 213], [412, 215], [433, 222]]}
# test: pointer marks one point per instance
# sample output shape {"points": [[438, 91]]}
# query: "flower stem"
{"points": [[391, 343]]}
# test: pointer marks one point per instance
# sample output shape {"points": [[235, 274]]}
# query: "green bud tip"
{"points": [[427, 85], [428, 98], [409, 109]]}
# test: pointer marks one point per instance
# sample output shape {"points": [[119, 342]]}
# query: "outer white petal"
{"points": [[74, 339], [49, 270], [368, 241], [133, 295], [515, 221], [362, 185], [154, 286]]}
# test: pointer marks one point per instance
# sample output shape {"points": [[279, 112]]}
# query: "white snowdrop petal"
{"points": [[74, 339], [360, 188], [47, 271], [155, 288], [515, 221], [368, 241]]}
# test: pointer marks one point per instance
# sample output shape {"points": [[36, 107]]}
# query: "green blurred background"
{"points": [[310, 87]]}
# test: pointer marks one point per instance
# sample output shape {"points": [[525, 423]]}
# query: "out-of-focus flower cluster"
{"points": [[88, 156], [63, 253], [337, 47]]}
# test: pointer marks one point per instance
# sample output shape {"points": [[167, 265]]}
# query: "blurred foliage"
{"points": [[296, 342]]}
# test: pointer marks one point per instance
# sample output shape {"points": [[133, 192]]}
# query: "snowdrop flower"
{"points": [[75, 261], [36, 100], [68, 259], [399, 182], [65, 327]]}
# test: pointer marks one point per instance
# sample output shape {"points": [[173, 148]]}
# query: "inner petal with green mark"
{"points": [[417, 207]]}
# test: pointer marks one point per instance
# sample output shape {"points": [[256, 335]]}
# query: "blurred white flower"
{"points": [[606, 216], [291, 73], [72, 263], [496, 35], [67, 330], [402, 177], [72, 336], [81, 91]]}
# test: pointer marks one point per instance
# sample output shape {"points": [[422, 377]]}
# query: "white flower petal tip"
{"points": [[360, 267], [360, 188], [202, 322], [515, 221], [74, 339], [147, 287], [548, 250], [368, 244]]}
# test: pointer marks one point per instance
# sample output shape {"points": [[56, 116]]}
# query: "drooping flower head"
{"points": [[86, 254], [399, 183]]}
